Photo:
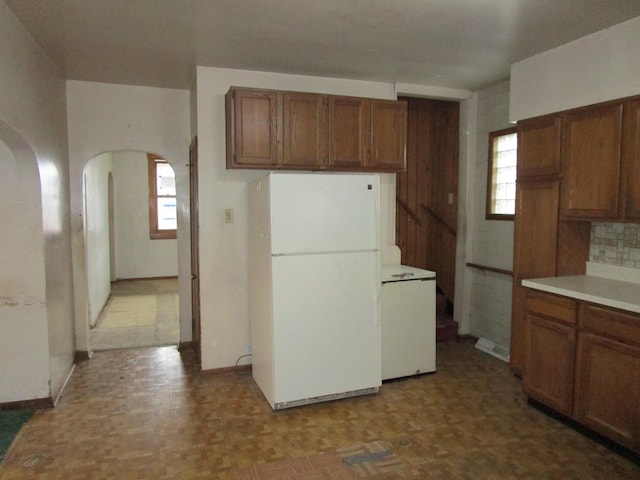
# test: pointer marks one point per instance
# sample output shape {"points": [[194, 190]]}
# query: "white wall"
{"points": [[105, 117], [36, 327], [491, 240], [599, 67], [223, 247], [137, 256], [98, 259]]}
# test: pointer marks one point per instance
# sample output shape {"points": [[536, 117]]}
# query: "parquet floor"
{"points": [[148, 414]]}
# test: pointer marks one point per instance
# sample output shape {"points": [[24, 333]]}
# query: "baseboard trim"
{"points": [[240, 369], [99, 318], [37, 403], [56, 392], [170, 277], [83, 355], [182, 346]]}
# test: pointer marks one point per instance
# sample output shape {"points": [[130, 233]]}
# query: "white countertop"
{"points": [[609, 292], [399, 273]]}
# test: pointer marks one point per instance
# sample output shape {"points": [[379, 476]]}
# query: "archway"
{"points": [[24, 332]]}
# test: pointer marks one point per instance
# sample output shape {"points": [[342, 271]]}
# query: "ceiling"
{"points": [[466, 44]]}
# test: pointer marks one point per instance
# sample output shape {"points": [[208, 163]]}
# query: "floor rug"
{"points": [[11, 422], [130, 311], [372, 460]]}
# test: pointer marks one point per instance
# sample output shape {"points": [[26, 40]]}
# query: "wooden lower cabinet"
{"points": [[548, 376], [588, 370], [550, 353], [608, 388]]}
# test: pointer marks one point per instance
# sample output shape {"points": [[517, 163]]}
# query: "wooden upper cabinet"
{"points": [[631, 161], [388, 135], [536, 229], [539, 147], [271, 129], [591, 148], [252, 128], [304, 133], [349, 132]]}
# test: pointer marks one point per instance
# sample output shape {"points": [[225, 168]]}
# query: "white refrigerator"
{"points": [[314, 255]]}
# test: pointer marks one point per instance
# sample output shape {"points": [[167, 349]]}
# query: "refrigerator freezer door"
{"points": [[327, 334], [324, 213]]}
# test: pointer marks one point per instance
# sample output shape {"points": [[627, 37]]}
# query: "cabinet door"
{"points": [[592, 150], [304, 133], [535, 244], [349, 132], [549, 367], [608, 388], [539, 147], [252, 135], [631, 161], [388, 135]]}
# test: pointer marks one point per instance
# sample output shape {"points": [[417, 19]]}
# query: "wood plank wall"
{"points": [[427, 193]]}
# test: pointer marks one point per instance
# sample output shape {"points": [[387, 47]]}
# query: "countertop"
{"points": [[610, 292], [401, 273]]}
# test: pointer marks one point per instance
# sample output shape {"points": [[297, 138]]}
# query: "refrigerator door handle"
{"points": [[379, 293]]}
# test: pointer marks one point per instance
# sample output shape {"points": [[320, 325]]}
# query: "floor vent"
{"points": [[493, 348]]}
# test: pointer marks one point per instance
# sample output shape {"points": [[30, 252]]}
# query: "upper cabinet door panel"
{"points": [[539, 147], [536, 229], [631, 161], [348, 132], [304, 132], [592, 143], [388, 135], [252, 140]]}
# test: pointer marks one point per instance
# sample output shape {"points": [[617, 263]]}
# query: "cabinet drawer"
{"points": [[552, 306], [608, 323]]}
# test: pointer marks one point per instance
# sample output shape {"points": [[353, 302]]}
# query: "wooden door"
{"points": [[535, 249], [631, 161], [427, 192], [349, 132], [305, 130], [388, 135], [591, 144], [252, 142], [608, 388], [195, 265], [549, 368]]}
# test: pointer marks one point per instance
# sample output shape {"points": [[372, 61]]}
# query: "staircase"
{"points": [[446, 327]]}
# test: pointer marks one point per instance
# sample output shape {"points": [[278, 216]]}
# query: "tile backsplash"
{"points": [[615, 244]]}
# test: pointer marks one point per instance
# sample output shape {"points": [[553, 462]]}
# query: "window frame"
{"points": [[489, 215], [154, 232]]}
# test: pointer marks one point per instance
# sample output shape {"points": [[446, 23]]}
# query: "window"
{"points": [[162, 199], [501, 181]]}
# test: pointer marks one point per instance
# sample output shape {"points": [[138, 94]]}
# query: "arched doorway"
{"points": [[24, 330]]}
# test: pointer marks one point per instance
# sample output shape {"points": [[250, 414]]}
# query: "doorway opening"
{"points": [[427, 197], [132, 272]]}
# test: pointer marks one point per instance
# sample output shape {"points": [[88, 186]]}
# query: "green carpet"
{"points": [[11, 422]]}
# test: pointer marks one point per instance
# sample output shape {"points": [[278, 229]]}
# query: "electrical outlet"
{"points": [[228, 215], [248, 349]]}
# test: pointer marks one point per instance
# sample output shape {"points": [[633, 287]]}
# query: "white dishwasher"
{"points": [[408, 320]]}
